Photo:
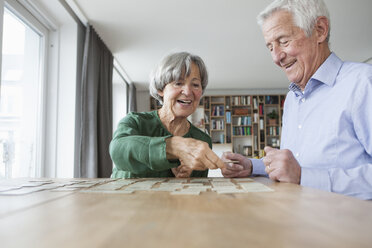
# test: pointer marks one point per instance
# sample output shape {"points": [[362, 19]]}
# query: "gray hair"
{"points": [[304, 12], [172, 68]]}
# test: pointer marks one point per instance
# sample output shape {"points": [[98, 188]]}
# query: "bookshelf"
{"points": [[242, 121]]}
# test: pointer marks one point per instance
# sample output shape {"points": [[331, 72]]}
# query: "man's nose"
{"points": [[277, 54]]}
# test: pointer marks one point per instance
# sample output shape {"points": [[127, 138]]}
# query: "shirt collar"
{"points": [[326, 73]]}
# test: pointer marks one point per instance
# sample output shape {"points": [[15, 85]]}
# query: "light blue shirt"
{"points": [[328, 128]]}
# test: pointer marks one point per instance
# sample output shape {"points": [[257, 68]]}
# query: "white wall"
{"points": [[119, 103], [143, 101], [66, 101]]}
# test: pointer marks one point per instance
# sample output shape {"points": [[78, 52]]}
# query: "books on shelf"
{"points": [[272, 99], [218, 125], [273, 131], [261, 109], [241, 111], [261, 123], [241, 100], [282, 102], [262, 136], [218, 110], [255, 142], [243, 120], [255, 103], [228, 117], [222, 138], [206, 119], [242, 131], [255, 117], [247, 150]]}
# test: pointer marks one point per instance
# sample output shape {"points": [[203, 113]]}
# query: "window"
{"points": [[21, 105], [119, 97]]}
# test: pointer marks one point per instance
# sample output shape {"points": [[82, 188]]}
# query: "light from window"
{"points": [[119, 95], [20, 98]]}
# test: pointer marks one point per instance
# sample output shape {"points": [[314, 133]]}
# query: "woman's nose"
{"points": [[186, 89]]}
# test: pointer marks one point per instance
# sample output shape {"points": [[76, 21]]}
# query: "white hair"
{"points": [[172, 68], [304, 12]]}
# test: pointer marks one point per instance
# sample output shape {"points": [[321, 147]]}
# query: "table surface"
{"points": [[288, 216]]}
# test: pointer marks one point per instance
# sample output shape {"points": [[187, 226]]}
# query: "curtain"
{"points": [[80, 55], [132, 103], [96, 109]]}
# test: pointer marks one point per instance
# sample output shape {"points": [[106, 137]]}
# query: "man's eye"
{"points": [[284, 42]]}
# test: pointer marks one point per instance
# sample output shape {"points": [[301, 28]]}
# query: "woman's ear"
{"points": [[160, 93], [322, 28]]}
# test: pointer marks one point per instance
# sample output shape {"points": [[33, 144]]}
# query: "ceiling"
{"points": [[223, 32]]}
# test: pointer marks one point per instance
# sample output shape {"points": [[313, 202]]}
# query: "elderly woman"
{"points": [[164, 143]]}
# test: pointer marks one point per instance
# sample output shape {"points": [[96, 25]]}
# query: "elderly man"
{"points": [[327, 121]]}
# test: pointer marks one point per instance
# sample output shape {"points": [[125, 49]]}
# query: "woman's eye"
{"points": [[196, 85]]}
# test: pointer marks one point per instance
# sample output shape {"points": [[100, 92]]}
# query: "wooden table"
{"points": [[290, 216]]}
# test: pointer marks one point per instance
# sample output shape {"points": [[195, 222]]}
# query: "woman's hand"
{"points": [[193, 154], [181, 171]]}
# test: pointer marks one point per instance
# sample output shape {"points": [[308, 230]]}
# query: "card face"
{"points": [[175, 186], [231, 161]]}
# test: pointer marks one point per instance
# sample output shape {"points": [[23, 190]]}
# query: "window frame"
{"points": [[25, 16]]}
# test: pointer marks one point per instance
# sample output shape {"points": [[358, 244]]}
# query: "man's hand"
{"points": [[281, 165], [241, 169]]}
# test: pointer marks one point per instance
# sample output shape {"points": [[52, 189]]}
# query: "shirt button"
{"points": [[299, 126], [303, 100]]}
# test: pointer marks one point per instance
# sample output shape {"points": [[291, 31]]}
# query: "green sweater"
{"points": [[138, 148]]}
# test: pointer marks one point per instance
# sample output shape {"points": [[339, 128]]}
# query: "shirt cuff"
{"points": [[158, 156], [315, 178], [258, 167]]}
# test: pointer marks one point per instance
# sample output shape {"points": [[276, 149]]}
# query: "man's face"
{"points": [[290, 48]]}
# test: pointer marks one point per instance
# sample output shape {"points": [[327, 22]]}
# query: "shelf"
{"points": [[271, 105], [233, 110]]}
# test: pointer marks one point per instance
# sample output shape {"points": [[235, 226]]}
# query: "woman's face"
{"points": [[182, 97]]}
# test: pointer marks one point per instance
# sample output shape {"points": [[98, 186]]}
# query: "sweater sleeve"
{"points": [[134, 152]]}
